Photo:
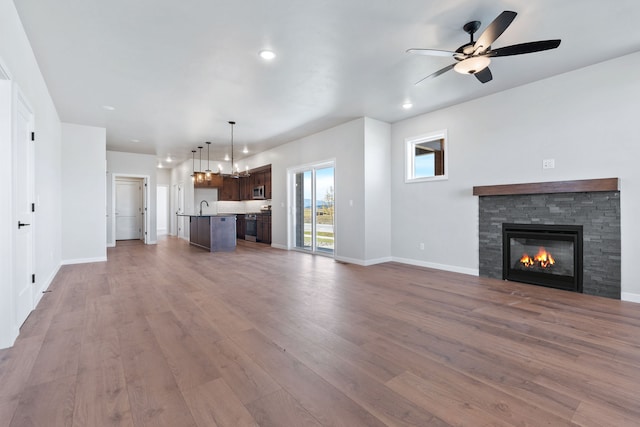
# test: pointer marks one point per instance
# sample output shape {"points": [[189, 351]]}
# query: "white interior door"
{"points": [[22, 210], [128, 209]]}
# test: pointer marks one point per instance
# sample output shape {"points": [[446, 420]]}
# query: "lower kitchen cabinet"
{"points": [[240, 227], [263, 228]]}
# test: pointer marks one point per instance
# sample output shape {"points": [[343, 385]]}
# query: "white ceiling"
{"points": [[177, 71]]}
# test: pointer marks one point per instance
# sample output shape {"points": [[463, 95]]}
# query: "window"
{"points": [[426, 159]]}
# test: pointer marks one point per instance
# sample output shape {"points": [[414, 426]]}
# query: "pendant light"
{"points": [[193, 165], [208, 170], [235, 173], [200, 174]]}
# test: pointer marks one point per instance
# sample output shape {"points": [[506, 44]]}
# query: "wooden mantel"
{"points": [[581, 186]]}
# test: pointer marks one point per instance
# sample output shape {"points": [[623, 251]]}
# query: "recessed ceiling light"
{"points": [[169, 159], [246, 150], [267, 54], [226, 157], [135, 140], [159, 165], [108, 107], [407, 105]]}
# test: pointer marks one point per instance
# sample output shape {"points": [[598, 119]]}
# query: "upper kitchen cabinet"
{"points": [[214, 181], [230, 190], [262, 178], [234, 189], [246, 187], [267, 184]]}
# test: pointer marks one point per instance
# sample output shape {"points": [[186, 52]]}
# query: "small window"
{"points": [[425, 157]]}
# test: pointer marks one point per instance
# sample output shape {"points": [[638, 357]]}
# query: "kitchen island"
{"points": [[213, 232]]}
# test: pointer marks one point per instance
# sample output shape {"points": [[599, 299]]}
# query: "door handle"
{"points": [[22, 224]]}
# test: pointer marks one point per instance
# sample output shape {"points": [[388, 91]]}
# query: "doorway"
{"points": [[130, 201], [129, 215], [313, 207], [162, 209]]}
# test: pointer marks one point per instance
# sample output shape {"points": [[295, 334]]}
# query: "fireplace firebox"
{"points": [[541, 254]]}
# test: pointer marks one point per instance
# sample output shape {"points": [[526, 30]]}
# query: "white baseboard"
{"points": [[9, 338], [628, 296], [152, 242], [111, 245], [375, 261], [445, 267], [277, 246], [45, 285], [349, 260], [83, 260]]}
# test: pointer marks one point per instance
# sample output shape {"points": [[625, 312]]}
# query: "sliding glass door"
{"points": [[314, 208]]}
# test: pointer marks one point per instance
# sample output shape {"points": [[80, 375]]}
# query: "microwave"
{"points": [[258, 192]]}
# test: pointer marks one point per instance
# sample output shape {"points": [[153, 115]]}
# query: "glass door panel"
{"points": [[314, 209], [324, 204], [303, 210]]}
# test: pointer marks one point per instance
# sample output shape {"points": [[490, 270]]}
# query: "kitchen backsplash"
{"points": [[241, 207]]}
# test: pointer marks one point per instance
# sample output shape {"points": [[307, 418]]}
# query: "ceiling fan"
{"points": [[475, 56]]}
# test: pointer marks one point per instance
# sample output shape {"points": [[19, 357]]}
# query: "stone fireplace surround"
{"points": [[594, 204]]}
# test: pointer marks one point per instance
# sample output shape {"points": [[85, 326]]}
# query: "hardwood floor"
{"points": [[171, 335]]}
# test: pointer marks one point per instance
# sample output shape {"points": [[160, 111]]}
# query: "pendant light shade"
{"points": [[193, 165], [199, 176], [208, 170]]}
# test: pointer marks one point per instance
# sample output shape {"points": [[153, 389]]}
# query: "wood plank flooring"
{"points": [[171, 335]]}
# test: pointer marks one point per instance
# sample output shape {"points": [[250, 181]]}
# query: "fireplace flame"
{"points": [[542, 259]]}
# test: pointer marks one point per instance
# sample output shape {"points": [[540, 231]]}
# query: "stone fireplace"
{"points": [[564, 235]]}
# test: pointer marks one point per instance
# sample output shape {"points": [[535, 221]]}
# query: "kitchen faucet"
{"points": [[204, 201]]}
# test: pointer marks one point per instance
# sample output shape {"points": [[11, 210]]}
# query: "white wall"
{"points": [[377, 178], [17, 56], [136, 165], [585, 120], [358, 147], [83, 194], [163, 176]]}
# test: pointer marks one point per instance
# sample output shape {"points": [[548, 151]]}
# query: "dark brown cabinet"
{"points": [[263, 228], [246, 188], [199, 231], [267, 184], [236, 189], [215, 181], [230, 190], [240, 227]]}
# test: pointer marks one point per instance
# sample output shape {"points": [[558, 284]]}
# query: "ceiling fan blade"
{"points": [[430, 52], [519, 49], [437, 73], [494, 30], [484, 75]]}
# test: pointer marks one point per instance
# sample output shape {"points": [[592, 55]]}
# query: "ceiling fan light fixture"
{"points": [[472, 65]]}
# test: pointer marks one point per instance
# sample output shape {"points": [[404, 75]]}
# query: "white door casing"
{"points": [[129, 209], [181, 223]]}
